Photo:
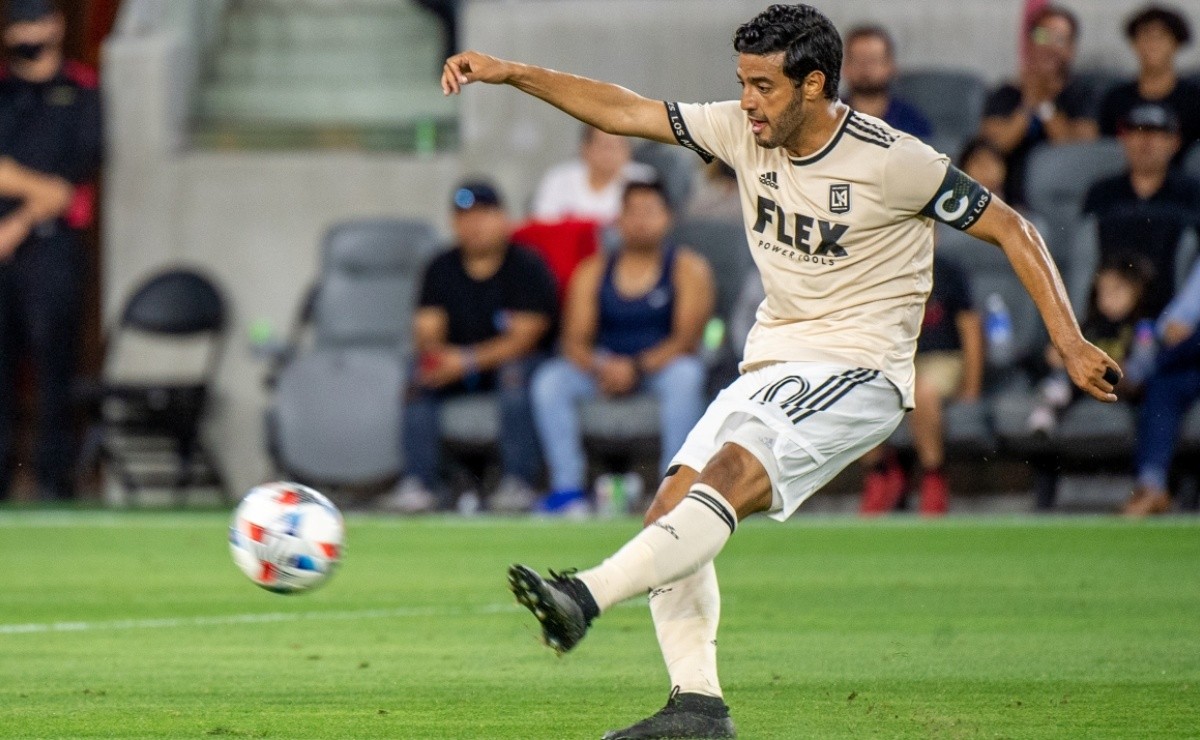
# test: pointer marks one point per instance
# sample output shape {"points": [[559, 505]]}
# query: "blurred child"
{"points": [[1118, 322]]}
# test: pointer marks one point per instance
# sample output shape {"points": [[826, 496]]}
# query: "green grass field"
{"points": [[138, 625]]}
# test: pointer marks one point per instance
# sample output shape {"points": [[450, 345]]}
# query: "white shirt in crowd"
{"points": [[565, 193]]}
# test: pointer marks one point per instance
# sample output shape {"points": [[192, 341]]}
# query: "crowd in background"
{"points": [[590, 297]]}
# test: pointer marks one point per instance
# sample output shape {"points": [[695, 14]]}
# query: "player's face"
{"points": [[774, 108], [868, 69], [1155, 46]]}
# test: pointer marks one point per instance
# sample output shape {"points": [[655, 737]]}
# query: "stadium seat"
{"points": [[676, 168], [152, 396], [1058, 178], [951, 99], [335, 416]]}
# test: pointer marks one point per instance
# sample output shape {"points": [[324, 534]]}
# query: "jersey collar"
{"points": [[833, 140]]}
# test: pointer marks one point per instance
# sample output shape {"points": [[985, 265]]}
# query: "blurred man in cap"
{"points": [[1146, 210], [484, 317], [50, 147]]}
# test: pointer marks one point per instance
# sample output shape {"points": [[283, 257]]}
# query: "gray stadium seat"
{"points": [[676, 168], [335, 416], [951, 99], [1058, 178]]}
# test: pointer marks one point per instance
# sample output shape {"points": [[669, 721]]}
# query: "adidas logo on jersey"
{"points": [[770, 179]]}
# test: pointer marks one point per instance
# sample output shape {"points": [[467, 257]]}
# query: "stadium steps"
{"points": [[319, 74]]}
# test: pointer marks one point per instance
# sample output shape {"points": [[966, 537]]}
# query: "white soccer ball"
{"points": [[286, 537]]}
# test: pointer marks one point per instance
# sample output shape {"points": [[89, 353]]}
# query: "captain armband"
{"points": [[959, 201]]}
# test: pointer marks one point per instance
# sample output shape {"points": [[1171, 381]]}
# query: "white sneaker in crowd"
{"points": [[410, 496], [512, 496]]}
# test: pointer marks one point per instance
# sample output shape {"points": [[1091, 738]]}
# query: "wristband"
{"points": [[470, 362]]}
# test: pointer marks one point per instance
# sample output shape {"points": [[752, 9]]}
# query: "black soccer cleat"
{"points": [[686, 717], [563, 605]]}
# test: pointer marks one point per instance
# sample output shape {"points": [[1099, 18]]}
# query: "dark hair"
{"points": [[871, 31], [1176, 24], [1136, 269], [808, 39], [975, 146], [646, 186], [1055, 11]]}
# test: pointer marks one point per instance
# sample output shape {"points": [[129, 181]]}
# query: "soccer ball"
{"points": [[286, 537]]}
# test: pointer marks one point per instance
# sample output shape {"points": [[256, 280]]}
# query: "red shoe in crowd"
{"points": [[883, 487], [935, 494]]}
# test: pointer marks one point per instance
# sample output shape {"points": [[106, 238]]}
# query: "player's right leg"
{"points": [[675, 545]]}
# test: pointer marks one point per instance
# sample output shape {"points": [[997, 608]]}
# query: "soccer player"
{"points": [[839, 211]]}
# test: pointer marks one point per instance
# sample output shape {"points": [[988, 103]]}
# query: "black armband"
{"points": [[680, 129], [959, 202]]}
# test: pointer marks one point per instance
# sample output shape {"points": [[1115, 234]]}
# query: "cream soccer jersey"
{"points": [[843, 238]]}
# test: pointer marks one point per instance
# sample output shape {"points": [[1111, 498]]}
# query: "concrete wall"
{"points": [[254, 220]]}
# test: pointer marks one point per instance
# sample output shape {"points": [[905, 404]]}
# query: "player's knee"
{"points": [[740, 478], [674, 487]]}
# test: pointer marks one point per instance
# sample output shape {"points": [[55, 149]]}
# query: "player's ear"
{"points": [[813, 86]]}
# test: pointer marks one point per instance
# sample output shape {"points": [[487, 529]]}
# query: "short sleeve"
{"points": [[435, 285], [529, 286], [912, 173], [712, 130], [954, 288]]}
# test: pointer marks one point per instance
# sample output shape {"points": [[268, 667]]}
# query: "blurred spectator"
{"points": [[50, 147], [633, 322], [869, 70], [1146, 210], [949, 366], [590, 187], [1115, 322], [1046, 105], [484, 317], [985, 164], [1170, 392], [716, 195], [1156, 34]]}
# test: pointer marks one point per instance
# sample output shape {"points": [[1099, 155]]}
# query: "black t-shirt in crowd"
{"points": [[1150, 228], [478, 309], [1184, 100], [1075, 102], [950, 297]]}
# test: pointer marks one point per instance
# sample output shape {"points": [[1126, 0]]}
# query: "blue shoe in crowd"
{"points": [[567, 503]]}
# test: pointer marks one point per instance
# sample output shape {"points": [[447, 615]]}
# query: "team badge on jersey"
{"points": [[839, 197]]}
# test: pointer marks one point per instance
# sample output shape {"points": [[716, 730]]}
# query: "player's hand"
{"points": [[1092, 370], [471, 66]]}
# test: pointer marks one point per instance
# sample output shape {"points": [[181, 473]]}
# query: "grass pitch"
{"points": [[138, 625]]}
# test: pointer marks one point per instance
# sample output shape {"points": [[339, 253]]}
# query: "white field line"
{"points": [[260, 618], [266, 618]]}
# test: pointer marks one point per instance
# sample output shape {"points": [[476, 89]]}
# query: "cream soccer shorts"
{"points": [[804, 421]]}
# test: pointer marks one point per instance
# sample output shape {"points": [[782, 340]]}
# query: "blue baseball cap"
{"points": [[476, 193], [1151, 117]]}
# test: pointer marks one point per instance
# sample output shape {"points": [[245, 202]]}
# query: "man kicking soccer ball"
{"points": [[839, 211]]}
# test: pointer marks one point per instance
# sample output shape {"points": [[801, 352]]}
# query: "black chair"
{"points": [[146, 408]]}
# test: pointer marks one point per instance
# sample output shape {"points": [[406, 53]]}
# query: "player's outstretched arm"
{"points": [[608, 107], [1089, 367]]}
